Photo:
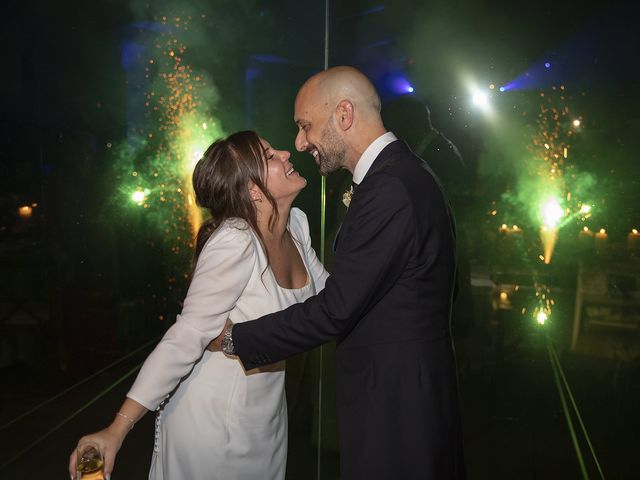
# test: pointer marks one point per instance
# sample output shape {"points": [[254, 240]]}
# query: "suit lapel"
{"points": [[336, 239], [378, 163]]}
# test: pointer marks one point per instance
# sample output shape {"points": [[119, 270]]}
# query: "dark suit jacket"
{"points": [[388, 304]]}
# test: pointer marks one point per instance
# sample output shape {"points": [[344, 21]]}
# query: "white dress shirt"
{"points": [[370, 154]]}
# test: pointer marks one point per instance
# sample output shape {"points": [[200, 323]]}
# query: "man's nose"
{"points": [[301, 141]]}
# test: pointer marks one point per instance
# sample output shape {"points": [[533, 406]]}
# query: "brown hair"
{"points": [[221, 184]]}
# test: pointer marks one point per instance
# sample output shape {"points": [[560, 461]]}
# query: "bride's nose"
{"points": [[284, 155]]}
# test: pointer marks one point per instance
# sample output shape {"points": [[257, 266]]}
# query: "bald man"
{"points": [[388, 300]]}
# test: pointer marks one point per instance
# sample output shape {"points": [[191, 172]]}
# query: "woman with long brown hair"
{"points": [[253, 256]]}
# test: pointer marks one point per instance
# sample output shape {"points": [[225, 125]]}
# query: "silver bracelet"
{"points": [[124, 415]]}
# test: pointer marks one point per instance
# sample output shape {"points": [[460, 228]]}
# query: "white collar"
{"points": [[370, 154]]}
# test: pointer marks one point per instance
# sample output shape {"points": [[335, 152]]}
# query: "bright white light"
{"points": [[194, 155], [585, 208], [138, 196], [480, 99], [576, 123], [410, 89], [541, 317], [551, 213], [480, 95]]}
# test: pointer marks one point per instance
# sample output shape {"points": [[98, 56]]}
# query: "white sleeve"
{"points": [[222, 272], [300, 230]]}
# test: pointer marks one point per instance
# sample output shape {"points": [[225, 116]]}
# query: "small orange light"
{"points": [[25, 211]]}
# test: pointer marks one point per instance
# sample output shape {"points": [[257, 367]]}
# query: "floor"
{"points": [[515, 426]]}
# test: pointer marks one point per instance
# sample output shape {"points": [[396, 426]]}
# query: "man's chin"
{"points": [[325, 169]]}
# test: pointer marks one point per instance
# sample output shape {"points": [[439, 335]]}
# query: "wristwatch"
{"points": [[227, 342]]}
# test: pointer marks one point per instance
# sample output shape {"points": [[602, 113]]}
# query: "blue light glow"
{"points": [[393, 84], [542, 74]]}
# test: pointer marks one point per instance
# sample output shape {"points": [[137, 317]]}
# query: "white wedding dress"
{"points": [[221, 422]]}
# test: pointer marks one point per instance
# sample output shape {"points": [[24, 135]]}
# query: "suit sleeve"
{"points": [[222, 273], [371, 258]]}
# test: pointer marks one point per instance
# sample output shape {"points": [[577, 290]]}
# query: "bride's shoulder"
{"points": [[298, 223], [232, 232], [236, 226]]}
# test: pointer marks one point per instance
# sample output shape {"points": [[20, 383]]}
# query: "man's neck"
{"points": [[361, 143], [370, 154]]}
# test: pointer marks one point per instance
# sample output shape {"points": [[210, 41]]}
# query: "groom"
{"points": [[388, 300]]}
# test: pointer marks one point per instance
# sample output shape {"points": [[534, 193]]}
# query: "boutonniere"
{"points": [[346, 197]]}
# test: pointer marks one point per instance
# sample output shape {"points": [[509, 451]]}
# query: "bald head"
{"points": [[339, 108], [347, 83], [328, 88]]}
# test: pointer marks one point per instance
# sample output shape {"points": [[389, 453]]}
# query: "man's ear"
{"points": [[344, 114]]}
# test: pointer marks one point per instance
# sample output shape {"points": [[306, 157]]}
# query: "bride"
{"points": [[253, 256]]}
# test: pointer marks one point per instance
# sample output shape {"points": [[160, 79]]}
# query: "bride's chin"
{"points": [[303, 184]]}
